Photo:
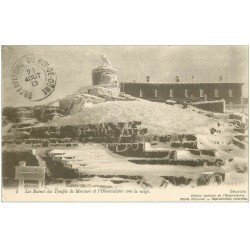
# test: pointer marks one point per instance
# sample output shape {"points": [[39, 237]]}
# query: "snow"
{"points": [[148, 148], [159, 118], [96, 159]]}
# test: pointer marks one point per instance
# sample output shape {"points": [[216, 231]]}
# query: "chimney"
{"points": [[220, 78], [147, 78], [193, 78], [177, 78]]}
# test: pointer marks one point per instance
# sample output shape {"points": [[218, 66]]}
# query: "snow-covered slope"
{"points": [[159, 118]]}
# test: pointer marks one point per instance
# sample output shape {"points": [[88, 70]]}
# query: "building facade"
{"points": [[184, 91], [104, 75]]}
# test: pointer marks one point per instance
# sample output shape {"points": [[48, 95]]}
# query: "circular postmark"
{"points": [[33, 77]]}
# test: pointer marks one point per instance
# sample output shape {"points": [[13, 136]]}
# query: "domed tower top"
{"points": [[104, 74], [106, 62]]}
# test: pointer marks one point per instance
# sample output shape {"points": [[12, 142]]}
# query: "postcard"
{"points": [[125, 123]]}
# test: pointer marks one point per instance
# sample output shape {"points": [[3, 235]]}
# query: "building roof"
{"points": [[105, 65], [175, 83]]}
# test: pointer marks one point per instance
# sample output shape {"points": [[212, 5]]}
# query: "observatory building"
{"points": [[105, 75], [104, 80], [231, 92]]}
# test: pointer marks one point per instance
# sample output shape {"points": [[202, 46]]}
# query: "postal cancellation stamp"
{"points": [[33, 77]]}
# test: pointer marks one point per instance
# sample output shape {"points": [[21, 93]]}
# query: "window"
{"points": [[171, 93], [216, 93], [201, 92], [156, 92], [186, 92], [140, 93], [230, 93]]}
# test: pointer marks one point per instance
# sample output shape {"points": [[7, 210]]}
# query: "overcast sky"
{"points": [[73, 65]]}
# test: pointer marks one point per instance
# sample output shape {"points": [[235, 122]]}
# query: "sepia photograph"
{"points": [[125, 123]]}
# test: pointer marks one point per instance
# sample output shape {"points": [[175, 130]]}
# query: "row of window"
{"points": [[202, 93]]}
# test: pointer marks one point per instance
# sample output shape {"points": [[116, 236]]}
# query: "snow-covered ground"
{"points": [[94, 159], [99, 160], [159, 118]]}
